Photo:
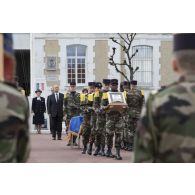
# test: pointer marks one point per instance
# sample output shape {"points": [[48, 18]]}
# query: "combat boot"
{"points": [[118, 157], [97, 151], [109, 153], [102, 153], [89, 151], [84, 149]]}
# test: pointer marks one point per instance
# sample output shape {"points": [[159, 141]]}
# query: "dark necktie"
{"points": [[57, 97]]}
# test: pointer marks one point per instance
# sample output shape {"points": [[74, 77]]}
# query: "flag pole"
{"points": [[1, 58]]}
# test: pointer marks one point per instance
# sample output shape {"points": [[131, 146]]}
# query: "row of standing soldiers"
{"points": [[100, 126]]}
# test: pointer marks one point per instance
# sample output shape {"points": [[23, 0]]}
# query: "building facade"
{"points": [[60, 58]]}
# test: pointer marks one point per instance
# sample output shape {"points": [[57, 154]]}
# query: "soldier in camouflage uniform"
{"points": [[14, 132], [165, 132], [114, 125], [101, 118], [87, 107], [96, 129], [92, 116], [124, 145], [71, 109], [135, 101]]}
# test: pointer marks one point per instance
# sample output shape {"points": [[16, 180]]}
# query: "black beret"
{"points": [[98, 85], [183, 41], [133, 82], [90, 84], [38, 90], [106, 81], [114, 82], [126, 83], [72, 83]]}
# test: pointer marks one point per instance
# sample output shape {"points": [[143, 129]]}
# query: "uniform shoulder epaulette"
{"points": [[97, 94], [66, 94], [105, 95], [90, 97], [82, 97]]}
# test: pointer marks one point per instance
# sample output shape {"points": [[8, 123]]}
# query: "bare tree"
{"points": [[126, 46]]}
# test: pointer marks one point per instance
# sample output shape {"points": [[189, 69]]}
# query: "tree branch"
{"points": [[123, 38]]}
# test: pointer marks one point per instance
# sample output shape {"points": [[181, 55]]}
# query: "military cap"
{"points": [[98, 85], [184, 41], [38, 90], [114, 82], [91, 84], [133, 82], [106, 81], [72, 83], [125, 83]]}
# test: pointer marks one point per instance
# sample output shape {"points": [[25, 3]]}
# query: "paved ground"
{"points": [[46, 150]]}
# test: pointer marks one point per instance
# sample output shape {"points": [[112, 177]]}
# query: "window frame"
{"points": [[141, 67], [76, 58]]}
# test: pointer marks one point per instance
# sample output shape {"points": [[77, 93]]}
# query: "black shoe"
{"points": [[102, 153], [89, 151], [84, 150], [75, 144], [118, 157], [59, 138], [109, 153], [68, 144], [97, 151], [53, 138]]}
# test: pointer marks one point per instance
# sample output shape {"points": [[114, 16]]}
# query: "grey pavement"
{"points": [[46, 150]]}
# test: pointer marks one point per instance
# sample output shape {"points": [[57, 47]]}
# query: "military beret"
{"points": [[114, 82], [106, 81], [90, 84], [98, 85], [38, 90], [133, 82], [183, 41], [126, 83], [72, 83]]}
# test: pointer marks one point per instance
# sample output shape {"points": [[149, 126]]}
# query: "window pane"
{"points": [[143, 59], [79, 80], [71, 50], [83, 61], [79, 61], [79, 65], [79, 70], [81, 50], [83, 80]]}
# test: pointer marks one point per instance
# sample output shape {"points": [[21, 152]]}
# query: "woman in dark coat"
{"points": [[38, 108]]}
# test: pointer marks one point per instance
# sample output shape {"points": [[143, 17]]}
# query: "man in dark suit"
{"points": [[55, 111], [50, 120]]}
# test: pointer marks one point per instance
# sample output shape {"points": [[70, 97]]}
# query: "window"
{"points": [[76, 60], [144, 60]]}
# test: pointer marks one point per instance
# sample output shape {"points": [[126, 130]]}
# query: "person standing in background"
{"points": [[50, 120], [38, 108], [55, 111]]}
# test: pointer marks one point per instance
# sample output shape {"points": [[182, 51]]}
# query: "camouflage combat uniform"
{"points": [[71, 108], [92, 123], [134, 100], [86, 108], [14, 128], [100, 122], [114, 127], [165, 132]]}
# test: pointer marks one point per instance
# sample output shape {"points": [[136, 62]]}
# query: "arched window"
{"points": [[144, 60], [76, 63]]}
